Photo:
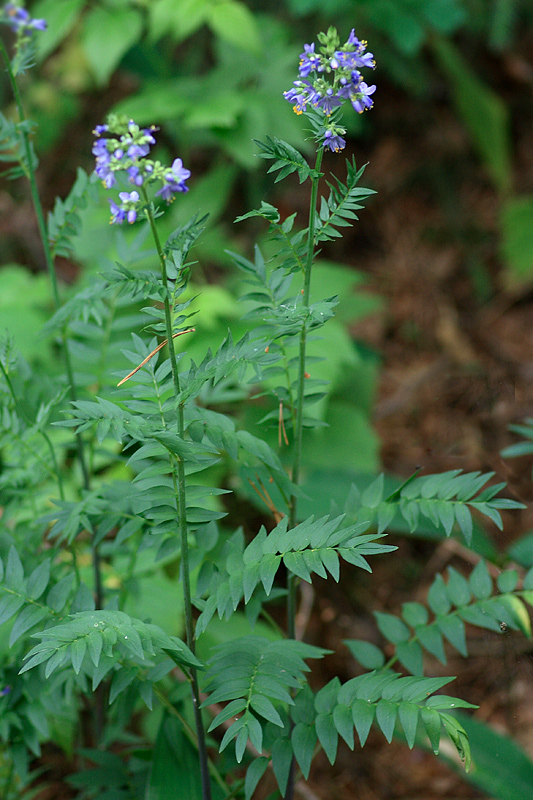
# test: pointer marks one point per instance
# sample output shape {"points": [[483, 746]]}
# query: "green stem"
{"points": [[55, 467], [303, 335], [179, 486], [30, 173], [191, 736], [292, 582], [43, 233]]}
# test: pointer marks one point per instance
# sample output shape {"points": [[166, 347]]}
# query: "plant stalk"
{"points": [[293, 582], [49, 260], [179, 485]]}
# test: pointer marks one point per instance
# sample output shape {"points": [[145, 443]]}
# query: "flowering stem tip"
{"points": [[330, 77], [122, 147]]}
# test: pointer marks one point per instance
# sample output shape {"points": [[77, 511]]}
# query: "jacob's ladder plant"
{"points": [[146, 451]]}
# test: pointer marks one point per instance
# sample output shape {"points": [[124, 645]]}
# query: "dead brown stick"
{"points": [[152, 354]]}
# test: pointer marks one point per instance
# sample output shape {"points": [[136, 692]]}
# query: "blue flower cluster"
{"points": [[122, 146], [20, 21], [329, 78]]}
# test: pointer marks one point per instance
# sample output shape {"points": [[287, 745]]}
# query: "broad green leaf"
{"points": [[517, 240], [233, 21], [60, 18], [122, 26], [174, 764], [483, 112], [503, 769]]}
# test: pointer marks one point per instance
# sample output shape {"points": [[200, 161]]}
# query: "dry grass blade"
{"points": [[152, 354]]}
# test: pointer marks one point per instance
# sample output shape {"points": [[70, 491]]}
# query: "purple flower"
{"points": [[174, 181], [334, 141], [310, 61], [127, 210], [302, 94], [124, 149], [138, 150], [135, 175], [20, 20], [349, 60], [339, 80], [166, 193], [118, 214], [148, 134], [5, 690], [361, 100], [180, 174], [328, 102]]}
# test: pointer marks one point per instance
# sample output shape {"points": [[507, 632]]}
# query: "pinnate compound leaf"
{"points": [[115, 632]]}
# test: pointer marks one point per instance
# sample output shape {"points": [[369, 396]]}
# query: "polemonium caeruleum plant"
{"points": [[74, 540]]}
